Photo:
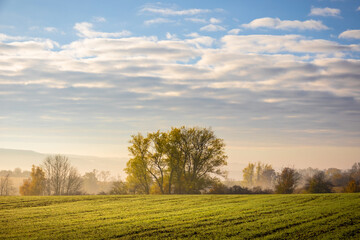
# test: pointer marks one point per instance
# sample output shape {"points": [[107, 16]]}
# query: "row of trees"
{"points": [[55, 177], [182, 160], [307, 180], [179, 161]]}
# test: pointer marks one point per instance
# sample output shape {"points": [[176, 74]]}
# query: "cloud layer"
{"points": [[276, 23], [265, 88]]}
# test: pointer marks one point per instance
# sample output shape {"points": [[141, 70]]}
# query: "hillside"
{"points": [[335, 216]]}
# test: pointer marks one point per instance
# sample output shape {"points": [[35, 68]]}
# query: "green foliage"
{"points": [[183, 160], [119, 188], [286, 181], [318, 184], [305, 216]]}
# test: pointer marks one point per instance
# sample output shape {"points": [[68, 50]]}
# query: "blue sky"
{"points": [[278, 80]]}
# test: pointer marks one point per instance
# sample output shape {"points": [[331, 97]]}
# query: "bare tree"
{"points": [[6, 187], [73, 182], [104, 176], [61, 178]]}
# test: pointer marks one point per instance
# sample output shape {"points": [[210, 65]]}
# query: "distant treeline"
{"points": [[179, 161], [16, 173], [261, 178], [55, 177]]}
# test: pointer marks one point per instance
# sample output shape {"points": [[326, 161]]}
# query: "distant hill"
{"points": [[24, 159]]}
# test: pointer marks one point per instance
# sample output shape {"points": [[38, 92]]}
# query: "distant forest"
{"points": [[179, 161]]}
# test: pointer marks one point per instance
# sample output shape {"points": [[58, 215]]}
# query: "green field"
{"points": [[320, 216]]}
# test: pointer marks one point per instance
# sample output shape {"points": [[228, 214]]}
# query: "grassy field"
{"points": [[327, 216]]}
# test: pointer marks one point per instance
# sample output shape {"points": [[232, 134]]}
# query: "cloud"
{"points": [[171, 36], [274, 100], [234, 31], [215, 20], [276, 23], [283, 43], [4, 37], [85, 30], [325, 12], [50, 29], [196, 20], [355, 34], [358, 9], [194, 35], [172, 12], [189, 81], [212, 28], [157, 21]]}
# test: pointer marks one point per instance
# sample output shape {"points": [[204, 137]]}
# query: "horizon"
{"points": [[280, 83]]}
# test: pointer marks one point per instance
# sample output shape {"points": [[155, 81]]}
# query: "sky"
{"points": [[278, 80]]}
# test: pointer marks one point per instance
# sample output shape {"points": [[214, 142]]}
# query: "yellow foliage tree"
{"points": [[35, 185]]}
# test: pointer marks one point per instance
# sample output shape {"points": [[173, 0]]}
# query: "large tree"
{"points": [[139, 178], [183, 160], [156, 158]]}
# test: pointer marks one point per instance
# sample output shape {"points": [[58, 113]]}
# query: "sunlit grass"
{"points": [[181, 216]]}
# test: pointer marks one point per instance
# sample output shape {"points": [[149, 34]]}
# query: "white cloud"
{"points": [[171, 36], [283, 43], [239, 78], [274, 100], [212, 28], [196, 20], [158, 20], [93, 85], [325, 12], [358, 9], [85, 30], [99, 19], [4, 37], [234, 31], [215, 20], [200, 41], [50, 29], [172, 12], [350, 34], [194, 35], [276, 23]]}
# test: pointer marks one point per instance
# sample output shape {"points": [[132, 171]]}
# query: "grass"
{"points": [[318, 216]]}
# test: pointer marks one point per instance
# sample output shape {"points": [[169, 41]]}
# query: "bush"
{"points": [[318, 184]]}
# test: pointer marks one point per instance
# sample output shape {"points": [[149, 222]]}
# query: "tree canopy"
{"points": [[182, 160]]}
